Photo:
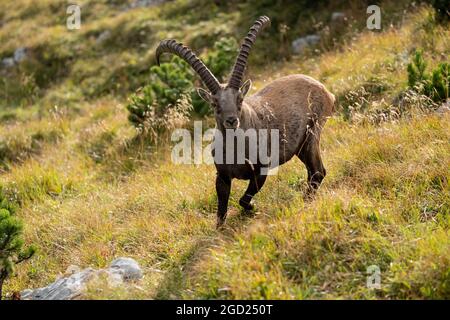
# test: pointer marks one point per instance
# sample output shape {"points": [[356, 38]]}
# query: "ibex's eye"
{"points": [[239, 103]]}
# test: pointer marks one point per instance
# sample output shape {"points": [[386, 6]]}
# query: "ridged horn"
{"points": [[174, 47], [241, 61]]}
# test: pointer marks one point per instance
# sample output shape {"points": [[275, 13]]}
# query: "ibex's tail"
{"points": [[333, 102]]}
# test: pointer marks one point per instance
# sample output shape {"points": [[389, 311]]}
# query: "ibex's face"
{"points": [[227, 104]]}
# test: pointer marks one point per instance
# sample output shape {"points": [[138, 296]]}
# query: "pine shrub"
{"points": [[12, 251], [174, 82], [434, 85]]}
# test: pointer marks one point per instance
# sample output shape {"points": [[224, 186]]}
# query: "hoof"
{"points": [[220, 223], [246, 206], [310, 193]]}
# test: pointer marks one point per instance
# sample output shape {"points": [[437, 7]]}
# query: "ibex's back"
{"points": [[292, 104]]}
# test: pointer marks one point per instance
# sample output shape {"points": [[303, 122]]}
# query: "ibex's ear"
{"points": [[205, 95], [245, 88]]}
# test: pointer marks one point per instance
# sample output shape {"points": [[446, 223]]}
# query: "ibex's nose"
{"points": [[232, 122]]}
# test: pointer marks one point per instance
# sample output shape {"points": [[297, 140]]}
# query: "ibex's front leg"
{"points": [[254, 186], [223, 186]]}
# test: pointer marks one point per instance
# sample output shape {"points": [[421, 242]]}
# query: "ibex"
{"points": [[296, 105]]}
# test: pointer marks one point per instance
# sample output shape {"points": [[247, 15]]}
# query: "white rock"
{"points": [[337, 16], [312, 39], [444, 107], [20, 54], [8, 62], [127, 267], [105, 35], [300, 44], [62, 289], [74, 286], [145, 3]]}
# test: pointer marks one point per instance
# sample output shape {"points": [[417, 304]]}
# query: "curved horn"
{"points": [[241, 61], [187, 55]]}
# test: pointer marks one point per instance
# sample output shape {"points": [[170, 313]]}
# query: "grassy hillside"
{"points": [[88, 191]]}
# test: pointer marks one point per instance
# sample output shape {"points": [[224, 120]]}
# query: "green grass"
{"points": [[88, 191]]}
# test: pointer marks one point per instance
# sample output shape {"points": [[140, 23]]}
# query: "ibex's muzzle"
{"points": [[231, 123]]}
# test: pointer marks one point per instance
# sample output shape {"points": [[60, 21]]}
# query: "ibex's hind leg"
{"points": [[253, 187], [310, 156], [223, 187]]}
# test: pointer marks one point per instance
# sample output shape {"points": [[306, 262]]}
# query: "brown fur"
{"points": [[289, 103], [298, 106]]}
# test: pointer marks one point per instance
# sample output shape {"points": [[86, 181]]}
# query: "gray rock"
{"points": [[313, 39], [62, 289], [146, 3], [105, 35], [128, 268], [337, 16], [20, 54], [8, 62], [74, 285], [300, 44], [444, 107]]}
